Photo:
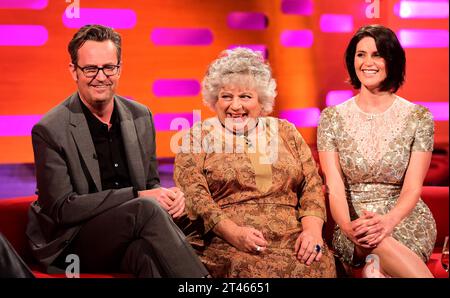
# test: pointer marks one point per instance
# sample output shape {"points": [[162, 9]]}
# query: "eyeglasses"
{"points": [[92, 71]]}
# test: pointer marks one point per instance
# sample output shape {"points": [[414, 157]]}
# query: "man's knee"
{"points": [[150, 206]]}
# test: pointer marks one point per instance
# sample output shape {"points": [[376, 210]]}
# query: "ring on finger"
{"points": [[317, 248]]}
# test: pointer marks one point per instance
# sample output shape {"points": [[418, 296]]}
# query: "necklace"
{"points": [[244, 134]]}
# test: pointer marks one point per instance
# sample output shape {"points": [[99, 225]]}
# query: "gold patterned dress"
{"points": [[374, 152], [223, 176]]}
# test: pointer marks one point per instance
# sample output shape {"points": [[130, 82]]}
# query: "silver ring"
{"points": [[318, 248], [258, 248]]}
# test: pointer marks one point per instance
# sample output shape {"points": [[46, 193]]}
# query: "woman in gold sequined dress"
{"points": [[375, 150], [250, 181]]}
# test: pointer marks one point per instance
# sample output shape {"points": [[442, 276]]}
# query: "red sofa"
{"points": [[14, 217], [13, 221]]}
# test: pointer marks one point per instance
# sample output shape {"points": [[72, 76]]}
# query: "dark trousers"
{"points": [[11, 265], [137, 237]]}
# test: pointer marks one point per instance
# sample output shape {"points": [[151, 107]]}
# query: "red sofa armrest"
{"points": [[13, 222]]}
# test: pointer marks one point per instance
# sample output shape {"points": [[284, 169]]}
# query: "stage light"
{"points": [[307, 117]]}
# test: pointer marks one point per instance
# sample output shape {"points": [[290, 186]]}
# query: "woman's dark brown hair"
{"points": [[388, 47]]}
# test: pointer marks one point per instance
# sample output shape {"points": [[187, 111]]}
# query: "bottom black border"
{"points": [[227, 287]]}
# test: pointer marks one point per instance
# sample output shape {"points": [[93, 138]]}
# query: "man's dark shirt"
{"points": [[110, 151]]}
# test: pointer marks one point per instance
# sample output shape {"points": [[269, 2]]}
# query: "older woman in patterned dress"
{"points": [[375, 150], [250, 181]]}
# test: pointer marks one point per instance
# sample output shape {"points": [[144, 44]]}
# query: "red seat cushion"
{"points": [[14, 218], [438, 172], [39, 274], [434, 264]]}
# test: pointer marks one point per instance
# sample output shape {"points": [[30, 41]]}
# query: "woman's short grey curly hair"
{"points": [[240, 67]]}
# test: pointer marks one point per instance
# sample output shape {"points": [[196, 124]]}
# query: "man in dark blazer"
{"points": [[99, 196]]}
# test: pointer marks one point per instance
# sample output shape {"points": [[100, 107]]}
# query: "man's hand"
{"points": [[172, 200], [178, 203]]}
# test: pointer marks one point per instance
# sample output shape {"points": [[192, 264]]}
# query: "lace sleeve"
{"points": [[424, 136], [189, 177], [325, 131], [311, 196]]}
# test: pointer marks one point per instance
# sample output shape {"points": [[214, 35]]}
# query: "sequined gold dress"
{"points": [[270, 195], [374, 152]]}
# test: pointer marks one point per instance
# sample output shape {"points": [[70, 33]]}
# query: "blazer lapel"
{"points": [[132, 145], [81, 134]]}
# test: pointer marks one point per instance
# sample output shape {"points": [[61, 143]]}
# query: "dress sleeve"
{"points": [[190, 178], [325, 131], [424, 137], [310, 192]]}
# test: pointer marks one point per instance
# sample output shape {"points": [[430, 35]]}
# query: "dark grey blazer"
{"points": [[68, 176]]}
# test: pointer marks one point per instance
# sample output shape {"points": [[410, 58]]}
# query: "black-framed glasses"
{"points": [[91, 71]]}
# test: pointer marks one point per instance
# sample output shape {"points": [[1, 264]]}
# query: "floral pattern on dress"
{"points": [[374, 153], [223, 185]]}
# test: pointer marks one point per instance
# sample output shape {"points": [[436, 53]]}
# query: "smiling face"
{"points": [[238, 108], [98, 91], [370, 67]]}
